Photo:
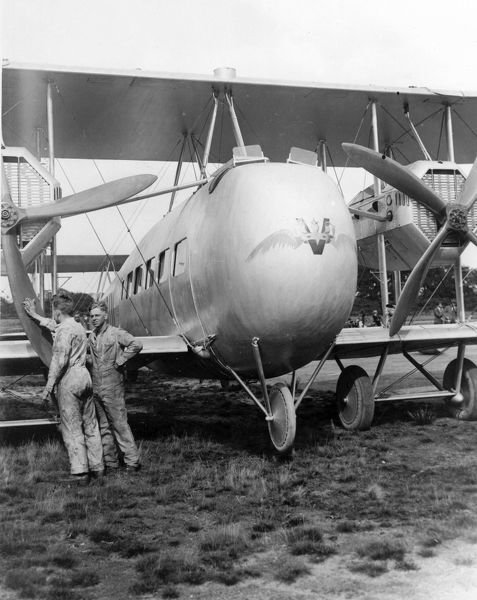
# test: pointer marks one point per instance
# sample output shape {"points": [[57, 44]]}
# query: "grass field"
{"points": [[215, 514]]}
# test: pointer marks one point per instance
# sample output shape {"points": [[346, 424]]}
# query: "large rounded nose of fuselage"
{"points": [[278, 259]]}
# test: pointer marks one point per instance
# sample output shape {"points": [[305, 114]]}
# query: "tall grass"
{"points": [[213, 506]]}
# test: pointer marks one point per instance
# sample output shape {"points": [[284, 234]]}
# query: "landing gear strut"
{"points": [[278, 406]]}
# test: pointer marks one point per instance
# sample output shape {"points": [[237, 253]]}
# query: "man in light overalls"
{"points": [[110, 349], [68, 374]]}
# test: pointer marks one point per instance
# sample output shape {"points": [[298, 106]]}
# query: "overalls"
{"points": [[109, 347], [79, 426]]}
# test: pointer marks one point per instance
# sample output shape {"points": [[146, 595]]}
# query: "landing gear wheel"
{"points": [[283, 427], [354, 396], [467, 410]]}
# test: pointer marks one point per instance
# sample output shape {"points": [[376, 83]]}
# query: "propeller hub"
{"points": [[457, 217], [9, 216]]}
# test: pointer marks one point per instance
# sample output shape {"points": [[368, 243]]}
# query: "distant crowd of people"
{"points": [[447, 314], [442, 314], [373, 320]]}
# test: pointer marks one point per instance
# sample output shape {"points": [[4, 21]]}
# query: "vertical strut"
{"points": [[51, 152], [178, 171], [54, 266], [196, 154], [380, 367], [416, 135], [460, 366], [383, 273], [397, 285], [449, 135], [41, 282], [210, 134], [383, 277], [322, 155], [235, 123], [374, 126], [459, 289], [51, 134]]}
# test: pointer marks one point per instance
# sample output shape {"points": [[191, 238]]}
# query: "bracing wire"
{"points": [[144, 263], [398, 150], [245, 120], [338, 179], [418, 124], [440, 135], [111, 262], [133, 239], [358, 131], [418, 313], [334, 171], [156, 284], [465, 123]]}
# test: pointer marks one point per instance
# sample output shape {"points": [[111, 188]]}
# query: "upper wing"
{"points": [[141, 115]]}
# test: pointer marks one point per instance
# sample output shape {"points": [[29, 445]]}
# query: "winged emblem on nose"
{"points": [[294, 238]]}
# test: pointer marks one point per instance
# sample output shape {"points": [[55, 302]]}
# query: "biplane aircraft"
{"points": [[254, 275]]}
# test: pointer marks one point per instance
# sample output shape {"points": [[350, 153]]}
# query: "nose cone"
{"points": [[286, 253]]}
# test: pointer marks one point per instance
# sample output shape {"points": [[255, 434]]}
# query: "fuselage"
{"points": [[267, 250]]}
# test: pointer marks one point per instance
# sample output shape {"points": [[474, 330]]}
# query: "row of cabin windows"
{"points": [[156, 269]]}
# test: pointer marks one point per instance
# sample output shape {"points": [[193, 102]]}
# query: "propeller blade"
{"points": [[398, 176], [469, 193], [471, 237], [102, 196], [414, 282], [21, 287], [39, 242]]}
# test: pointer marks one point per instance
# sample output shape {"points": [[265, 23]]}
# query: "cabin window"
{"points": [[129, 284], [150, 272], [138, 280], [162, 267], [180, 255]]}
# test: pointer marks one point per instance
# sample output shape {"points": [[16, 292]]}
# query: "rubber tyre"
{"points": [[282, 429], [354, 397], [467, 411]]}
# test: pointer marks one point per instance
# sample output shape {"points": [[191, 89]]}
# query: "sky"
{"points": [[429, 43]]}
